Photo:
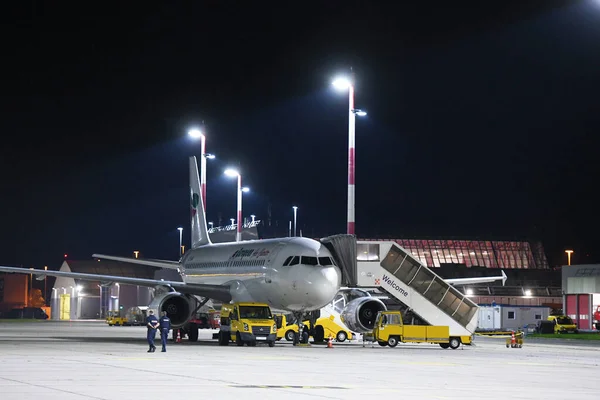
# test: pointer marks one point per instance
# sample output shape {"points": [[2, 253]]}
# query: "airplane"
{"points": [[292, 274], [295, 275]]}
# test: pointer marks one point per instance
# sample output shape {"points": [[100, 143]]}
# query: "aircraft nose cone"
{"points": [[325, 285]]}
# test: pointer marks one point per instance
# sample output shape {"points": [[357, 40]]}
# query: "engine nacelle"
{"points": [[178, 306], [359, 314]]}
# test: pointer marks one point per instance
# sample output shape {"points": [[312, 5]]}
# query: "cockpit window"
{"points": [[325, 261], [295, 261], [306, 260], [287, 261]]}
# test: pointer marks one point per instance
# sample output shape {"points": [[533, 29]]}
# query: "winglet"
{"points": [[198, 217], [504, 277]]}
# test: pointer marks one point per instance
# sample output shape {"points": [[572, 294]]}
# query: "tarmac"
{"points": [[89, 360]]}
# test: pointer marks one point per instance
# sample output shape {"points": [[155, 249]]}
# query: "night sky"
{"points": [[481, 121]]}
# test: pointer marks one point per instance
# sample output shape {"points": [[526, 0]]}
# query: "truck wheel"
{"points": [[392, 341], [444, 345], [341, 336], [454, 343], [271, 344], [223, 338], [289, 336], [319, 335], [192, 333], [238, 339]]}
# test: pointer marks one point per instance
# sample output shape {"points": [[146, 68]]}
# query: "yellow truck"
{"points": [[247, 323], [390, 330], [115, 318], [563, 324], [330, 328]]}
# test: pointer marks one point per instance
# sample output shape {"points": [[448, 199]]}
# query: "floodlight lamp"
{"points": [[232, 173], [195, 133], [245, 189], [342, 83]]}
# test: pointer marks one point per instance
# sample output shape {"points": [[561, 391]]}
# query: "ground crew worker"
{"points": [[152, 324], [165, 326]]}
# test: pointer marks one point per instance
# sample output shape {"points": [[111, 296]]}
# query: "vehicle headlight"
{"points": [[245, 326], [274, 327]]}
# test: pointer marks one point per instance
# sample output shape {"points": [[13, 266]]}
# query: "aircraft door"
{"points": [[271, 264]]}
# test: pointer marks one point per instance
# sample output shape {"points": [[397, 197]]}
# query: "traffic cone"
{"points": [[330, 343], [178, 336], [513, 341]]}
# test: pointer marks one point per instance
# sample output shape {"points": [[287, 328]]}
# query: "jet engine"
{"points": [[359, 314], [178, 306]]}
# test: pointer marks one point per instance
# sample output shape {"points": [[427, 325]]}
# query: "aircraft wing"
{"points": [[151, 263], [217, 292], [472, 281]]}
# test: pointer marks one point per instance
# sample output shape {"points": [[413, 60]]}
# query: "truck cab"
{"points": [[390, 330], [247, 323], [563, 324], [597, 318]]}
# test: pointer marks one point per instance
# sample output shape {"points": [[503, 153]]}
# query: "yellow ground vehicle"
{"points": [[390, 330], [563, 324], [115, 318], [247, 323], [330, 328]]}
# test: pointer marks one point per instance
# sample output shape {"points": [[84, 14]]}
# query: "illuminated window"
{"points": [[367, 252]]}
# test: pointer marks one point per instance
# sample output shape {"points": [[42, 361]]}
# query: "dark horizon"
{"points": [[480, 123]]}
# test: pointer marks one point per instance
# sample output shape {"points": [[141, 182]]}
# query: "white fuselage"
{"points": [[289, 274]]}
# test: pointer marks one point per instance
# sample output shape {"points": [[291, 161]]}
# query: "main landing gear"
{"points": [[302, 335]]}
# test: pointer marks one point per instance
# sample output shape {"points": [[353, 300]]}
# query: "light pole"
{"points": [[211, 225], [346, 84], [180, 229], [45, 285], [569, 252], [197, 134], [253, 216], [30, 289], [295, 214], [233, 173]]}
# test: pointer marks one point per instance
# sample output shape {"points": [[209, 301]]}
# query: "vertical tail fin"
{"points": [[198, 229]]}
